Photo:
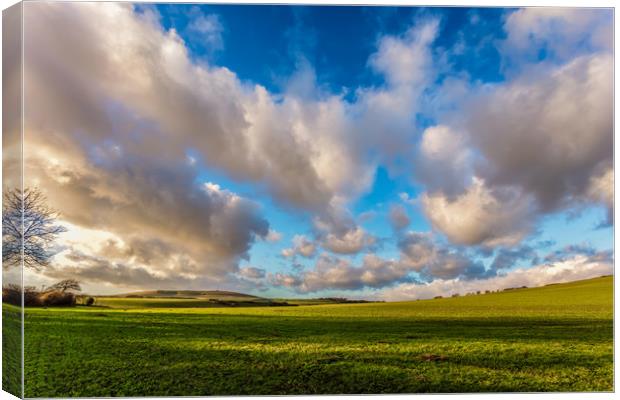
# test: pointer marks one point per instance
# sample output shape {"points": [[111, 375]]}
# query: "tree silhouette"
{"points": [[28, 229], [67, 284]]}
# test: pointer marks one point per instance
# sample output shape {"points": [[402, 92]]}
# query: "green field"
{"points": [[554, 338]]}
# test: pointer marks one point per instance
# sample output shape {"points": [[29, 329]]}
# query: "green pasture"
{"points": [[554, 338]]}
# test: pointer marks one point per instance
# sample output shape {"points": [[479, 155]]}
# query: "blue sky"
{"points": [[336, 150]]}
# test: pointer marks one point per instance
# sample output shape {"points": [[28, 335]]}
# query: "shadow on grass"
{"points": [[197, 354]]}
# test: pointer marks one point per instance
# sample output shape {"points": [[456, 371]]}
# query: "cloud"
{"points": [[97, 118], [302, 246], [252, 272], [338, 231], [332, 272], [556, 130], [421, 253], [351, 242], [538, 143], [575, 268], [159, 217], [385, 122], [561, 32], [482, 215], [98, 270], [398, 217], [507, 258], [208, 29], [601, 190], [121, 120], [444, 160], [273, 236], [421, 258], [288, 144]]}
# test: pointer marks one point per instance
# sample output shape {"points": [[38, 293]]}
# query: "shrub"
{"points": [[89, 301], [12, 294], [31, 297], [57, 298]]}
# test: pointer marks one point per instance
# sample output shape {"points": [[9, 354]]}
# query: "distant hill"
{"points": [[191, 294]]}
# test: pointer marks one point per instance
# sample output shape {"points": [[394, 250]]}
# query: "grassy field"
{"points": [[555, 338], [11, 349]]}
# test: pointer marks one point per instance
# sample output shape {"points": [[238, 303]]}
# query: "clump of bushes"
{"points": [[56, 298], [12, 294], [57, 295]]}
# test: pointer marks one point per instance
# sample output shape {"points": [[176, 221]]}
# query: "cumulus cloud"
{"points": [[421, 253], [338, 231], [560, 31], [351, 242], [273, 236], [544, 143], [481, 215], [127, 90], [387, 113], [302, 246], [398, 217], [444, 160], [115, 103], [556, 130], [601, 190], [331, 272], [206, 28], [288, 144], [575, 268], [252, 272], [421, 258], [538, 143]]}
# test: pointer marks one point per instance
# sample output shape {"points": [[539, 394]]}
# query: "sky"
{"points": [[385, 153]]}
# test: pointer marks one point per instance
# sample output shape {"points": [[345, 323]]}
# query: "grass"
{"points": [[554, 338], [11, 349], [124, 302]]}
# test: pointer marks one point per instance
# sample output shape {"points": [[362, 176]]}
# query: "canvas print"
{"points": [[227, 199]]}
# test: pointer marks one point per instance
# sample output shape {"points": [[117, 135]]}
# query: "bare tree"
{"points": [[67, 284], [28, 224]]}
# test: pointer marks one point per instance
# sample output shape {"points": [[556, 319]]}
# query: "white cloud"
{"points": [[208, 29], [252, 272], [351, 242], [578, 267], [302, 246], [444, 160], [561, 31], [541, 141], [273, 236], [601, 190], [482, 215], [421, 256]]}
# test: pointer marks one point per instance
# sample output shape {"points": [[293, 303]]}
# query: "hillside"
{"points": [[190, 294]]}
